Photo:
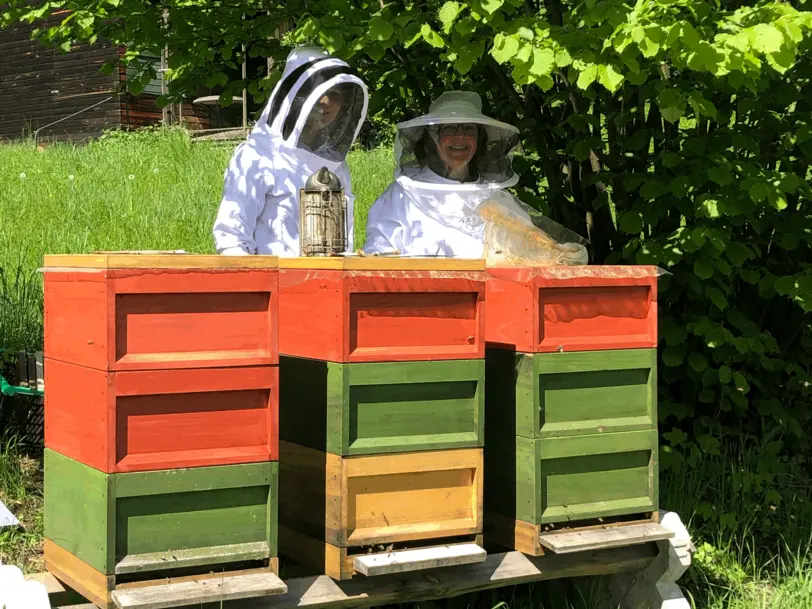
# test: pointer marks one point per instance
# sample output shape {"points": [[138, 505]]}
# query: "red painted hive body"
{"points": [[169, 363], [544, 310]]}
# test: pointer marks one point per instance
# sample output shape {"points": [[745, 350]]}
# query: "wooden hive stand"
{"points": [[641, 576], [161, 427], [381, 414]]}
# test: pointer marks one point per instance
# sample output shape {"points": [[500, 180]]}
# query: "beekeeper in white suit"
{"points": [[311, 120], [447, 163]]}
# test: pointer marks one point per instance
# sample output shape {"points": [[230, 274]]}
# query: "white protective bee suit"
{"points": [[424, 213], [259, 211]]}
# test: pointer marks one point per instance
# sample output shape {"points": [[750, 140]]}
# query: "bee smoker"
{"points": [[323, 223]]}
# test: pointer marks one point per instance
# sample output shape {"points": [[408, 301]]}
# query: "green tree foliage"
{"points": [[675, 133]]}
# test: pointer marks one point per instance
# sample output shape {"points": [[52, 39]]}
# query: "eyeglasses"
{"points": [[458, 129]]}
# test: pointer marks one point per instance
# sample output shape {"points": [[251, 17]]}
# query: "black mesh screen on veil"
{"points": [[330, 140], [492, 161]]}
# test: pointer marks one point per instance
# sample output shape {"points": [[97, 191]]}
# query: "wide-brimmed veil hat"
{"points": [[456, 107], [498, 141]]}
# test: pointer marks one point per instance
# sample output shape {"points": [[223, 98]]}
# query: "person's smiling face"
{"points": [[457, 144]]}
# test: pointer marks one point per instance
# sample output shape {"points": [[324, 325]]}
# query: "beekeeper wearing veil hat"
{"points": [[311, 120], [447, 163]]}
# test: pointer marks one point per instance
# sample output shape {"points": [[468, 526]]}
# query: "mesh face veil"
{"points": [[329, 128], [455, 132], [450, 197], [317, 107]]}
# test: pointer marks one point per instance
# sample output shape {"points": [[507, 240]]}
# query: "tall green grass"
{"points": [[143, 190]]}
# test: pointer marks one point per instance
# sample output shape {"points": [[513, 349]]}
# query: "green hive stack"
{"points": [[571, 434]]}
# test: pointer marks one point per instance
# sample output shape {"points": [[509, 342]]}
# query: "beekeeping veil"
{"points": [[296, 122], [424, 176]]}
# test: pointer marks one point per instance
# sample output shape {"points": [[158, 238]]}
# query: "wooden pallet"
{"points": [[498, 570], [115, 592]]}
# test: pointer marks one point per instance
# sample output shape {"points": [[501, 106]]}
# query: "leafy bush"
{"points": [[671, 134]]}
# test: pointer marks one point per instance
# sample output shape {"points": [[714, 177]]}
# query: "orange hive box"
{"points": [[162, 419], [543, 310], [382, 309], [143, 312]]}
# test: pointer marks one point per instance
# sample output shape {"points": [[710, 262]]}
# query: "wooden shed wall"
{"points": [[39, 85], [143, 110]]}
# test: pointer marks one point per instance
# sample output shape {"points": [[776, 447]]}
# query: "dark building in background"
{"points": [[40, 85]]}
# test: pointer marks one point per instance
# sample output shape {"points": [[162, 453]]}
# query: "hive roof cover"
{"points": [[7, 519]]}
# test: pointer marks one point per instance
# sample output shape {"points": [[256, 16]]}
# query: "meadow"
{"points": [[160, 190]]}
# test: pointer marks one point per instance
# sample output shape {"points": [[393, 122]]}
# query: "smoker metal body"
{"points": [[323, 222]]}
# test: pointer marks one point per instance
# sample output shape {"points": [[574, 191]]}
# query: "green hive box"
{"points": [[226, 513], [378, 408], [571, 436]]}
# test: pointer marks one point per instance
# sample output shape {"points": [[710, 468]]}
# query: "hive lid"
{"points": [[157, 260], [382, 263]]}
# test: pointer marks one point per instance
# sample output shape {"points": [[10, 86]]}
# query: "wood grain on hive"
{"points": [[142, 350], [333, 507], [373, 408], [161, 419], [110, 521], [381, 412], [571, 403]]}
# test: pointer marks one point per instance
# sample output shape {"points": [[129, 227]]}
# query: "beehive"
{"points": [[161, 416], [571, 399], [382, 406]]}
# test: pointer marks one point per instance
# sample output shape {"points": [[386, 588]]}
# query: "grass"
{"points": [[155, 191]]}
